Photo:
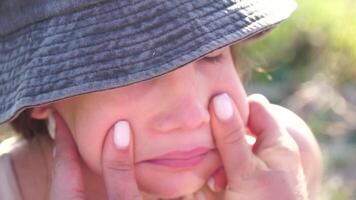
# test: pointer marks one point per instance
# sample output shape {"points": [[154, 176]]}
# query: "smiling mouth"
{"points": [[180, 159]]}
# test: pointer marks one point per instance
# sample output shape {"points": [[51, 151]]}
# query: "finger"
{"points": [[217, 182], [118, 164], [229, 133], [67, 176], [274, 145], [258, 97], [261, 122]]}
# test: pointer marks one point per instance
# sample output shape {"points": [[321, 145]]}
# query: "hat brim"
{"points": [[112, 45]]}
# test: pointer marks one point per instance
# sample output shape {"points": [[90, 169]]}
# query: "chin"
{"points": [[173, 182]]}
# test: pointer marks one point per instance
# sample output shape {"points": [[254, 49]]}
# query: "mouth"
{"points": [[181, 159]]}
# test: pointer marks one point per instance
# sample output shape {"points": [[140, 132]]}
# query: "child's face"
{"points": [[167, 114]]}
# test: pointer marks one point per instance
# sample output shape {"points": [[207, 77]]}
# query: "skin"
{"points": [[185, 119], [180, 122], [266, 172]]}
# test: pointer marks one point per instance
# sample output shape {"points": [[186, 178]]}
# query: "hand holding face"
{"points": [[117, 165], [272, 169]]}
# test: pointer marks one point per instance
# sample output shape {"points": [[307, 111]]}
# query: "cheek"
{"points": [[88, 132], [91, 125], [91, 128], [239, 97], [226, 79], [90, 137]]}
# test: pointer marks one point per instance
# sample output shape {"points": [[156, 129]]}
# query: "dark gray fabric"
{"points": [[60, 54], [15, 14]]}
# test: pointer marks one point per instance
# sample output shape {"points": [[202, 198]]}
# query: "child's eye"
{"points": [[214, 57]]}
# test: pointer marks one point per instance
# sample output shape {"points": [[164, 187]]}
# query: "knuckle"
{"points": [[118, 165]]}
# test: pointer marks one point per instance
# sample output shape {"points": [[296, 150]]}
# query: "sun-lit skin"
{"points": [[166, 113]]}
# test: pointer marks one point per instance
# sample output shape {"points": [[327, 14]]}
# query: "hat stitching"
{"points": [[90, 45], [137, 72], [101, 61], [97, 33], [90, 54], [170, 30], [101, 69], [42, 26], [17, 105], [156, 66], [121, 47], [88, 10]]}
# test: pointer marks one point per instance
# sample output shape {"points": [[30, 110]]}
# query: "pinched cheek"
{"points": [[90, 149]]}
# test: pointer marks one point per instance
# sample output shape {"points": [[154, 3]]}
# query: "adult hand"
{"points": [[117, 165], [271, 169]]}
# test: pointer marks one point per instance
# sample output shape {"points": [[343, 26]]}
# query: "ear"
{"points": [[40, 112]]}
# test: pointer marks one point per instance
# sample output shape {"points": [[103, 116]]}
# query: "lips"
{"points": [[180, 159]]}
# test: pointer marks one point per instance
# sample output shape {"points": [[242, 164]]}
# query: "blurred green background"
{"points": [[308, 64]]}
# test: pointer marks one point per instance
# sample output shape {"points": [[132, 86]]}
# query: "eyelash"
{"points": [[213, 59]]}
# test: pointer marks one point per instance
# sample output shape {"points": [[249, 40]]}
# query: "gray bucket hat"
{"points": [[50, 50]]}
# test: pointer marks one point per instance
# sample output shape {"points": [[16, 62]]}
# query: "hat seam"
{"points": [[65, 15], [89, 35], [49, 100], [115, 72], [109, 40], [135, 73], [169, 31], [87, 25], [116, 57]]}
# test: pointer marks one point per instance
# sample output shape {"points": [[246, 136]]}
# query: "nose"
{"points": [[187, 102], [189, 114]]}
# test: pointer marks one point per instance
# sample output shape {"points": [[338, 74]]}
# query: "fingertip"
{"points": [[64, 145], [117, 162], [122, 135], [229, 132], [260, 117], [223, 107], [51, 125], [57, 127], [117, 151], [217, 182], [258, 98], [211, 184]]}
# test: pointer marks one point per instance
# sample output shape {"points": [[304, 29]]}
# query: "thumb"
{"points": [[67, 182], [118, 164], [274, 144]]}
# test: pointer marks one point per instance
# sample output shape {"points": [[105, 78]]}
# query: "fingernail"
{"points": [[51, 125], [211, 184], [223, 106], [200, 196], [122, 134]]}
